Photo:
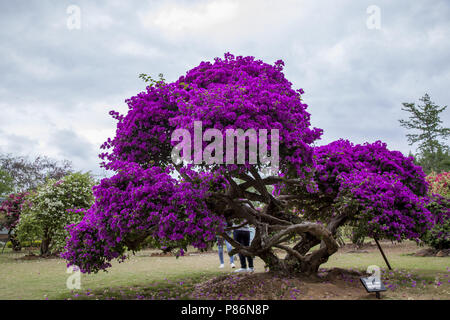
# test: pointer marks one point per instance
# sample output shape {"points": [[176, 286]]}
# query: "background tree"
{"points": [[6, 183], [314, 191], [433, 155], [439, 161], [53, 206], [27, 174]]}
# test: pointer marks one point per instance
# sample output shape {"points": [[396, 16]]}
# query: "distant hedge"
{"points": [[32, 244]]}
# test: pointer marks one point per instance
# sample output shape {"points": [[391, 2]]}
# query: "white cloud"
{"points": [[36, 67], [176, 19], [438, 36], [227, 22], [97, 20], [132, 48]]}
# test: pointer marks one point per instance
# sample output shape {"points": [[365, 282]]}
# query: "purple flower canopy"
{"points": [[388, 187], [144, 199], [231, 93]]}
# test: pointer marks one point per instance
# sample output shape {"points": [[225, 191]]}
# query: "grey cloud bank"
{"points": [[57, 85]]}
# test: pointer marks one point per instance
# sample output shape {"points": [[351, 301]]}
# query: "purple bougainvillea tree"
{"points": [[313, 192]]}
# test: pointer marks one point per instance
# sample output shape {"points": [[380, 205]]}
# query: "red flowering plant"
{"points": [[10, 210], [316, 190], [439, 183]]}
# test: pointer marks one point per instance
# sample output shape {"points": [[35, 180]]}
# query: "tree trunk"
{"points": [[16, 246], [45, 244], [299, 259], [293, 266]]}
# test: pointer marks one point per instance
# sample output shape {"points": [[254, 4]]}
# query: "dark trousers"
{"points": [[243, 237]]}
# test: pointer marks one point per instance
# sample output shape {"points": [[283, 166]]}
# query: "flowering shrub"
{"points": [[439, 183], [366, 185], [438, 203], [10, 211], [438, 236], [51, 207]]}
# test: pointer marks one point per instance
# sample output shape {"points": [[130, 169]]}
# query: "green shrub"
{"points": [[438, 237], [26, 244], [355, 234], [152, 243]]}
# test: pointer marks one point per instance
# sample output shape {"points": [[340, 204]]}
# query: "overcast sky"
{"points": [[58, 82]]}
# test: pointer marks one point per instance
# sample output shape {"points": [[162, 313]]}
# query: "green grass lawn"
{"points": [[46, 278], [426, 266], [170, 278]]}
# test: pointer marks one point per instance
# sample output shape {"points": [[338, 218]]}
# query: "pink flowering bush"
{"points": [[439, 183], [10, 211], [315, 191], [438, 203]]}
